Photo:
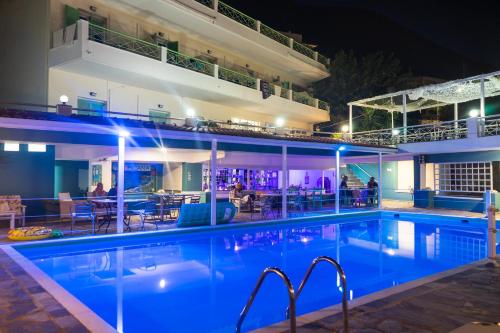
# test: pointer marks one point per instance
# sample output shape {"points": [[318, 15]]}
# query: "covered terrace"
{"points": [[259, 176]]}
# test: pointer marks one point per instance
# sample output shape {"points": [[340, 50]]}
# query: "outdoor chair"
{"points": [[265, 206], [82, 212], [13, 203], [65, 205], [147, 212]]}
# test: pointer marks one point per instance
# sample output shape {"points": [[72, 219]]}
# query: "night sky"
{"points": [[442, 39]]}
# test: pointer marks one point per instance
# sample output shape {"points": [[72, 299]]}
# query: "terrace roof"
{"points": [[230, 139], [451, 92]]}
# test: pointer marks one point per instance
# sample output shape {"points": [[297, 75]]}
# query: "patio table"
{"points": [[108, 204]]}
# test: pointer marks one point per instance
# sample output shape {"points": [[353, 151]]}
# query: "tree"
{"points": [[352, 78]]}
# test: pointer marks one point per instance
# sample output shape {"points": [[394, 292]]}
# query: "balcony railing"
{"points": [[303, 99], [238, 78], [273, 34], [490, 126], [265, 30], [308, 52], [236, 15], [323, 105], [125, 42], [132, 44], [448, 130], [208, 3], [194, 64]]}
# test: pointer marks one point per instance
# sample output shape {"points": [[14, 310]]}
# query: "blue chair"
{"points": [[82, 212]]}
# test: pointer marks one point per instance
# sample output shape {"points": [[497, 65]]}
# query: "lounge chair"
{"points": [[13, 203], [192, 215]]}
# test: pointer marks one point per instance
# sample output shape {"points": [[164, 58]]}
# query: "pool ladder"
{"points": [[293, 296]]}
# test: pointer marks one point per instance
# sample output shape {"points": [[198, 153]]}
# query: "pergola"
{"points": [[434, 95]]}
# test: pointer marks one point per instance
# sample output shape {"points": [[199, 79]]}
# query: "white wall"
{"points": [[135, 100], [405, 175]]}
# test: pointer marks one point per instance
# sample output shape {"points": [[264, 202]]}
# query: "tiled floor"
{"points": [[26, 307], [436, 307]]}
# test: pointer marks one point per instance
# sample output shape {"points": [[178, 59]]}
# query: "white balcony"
{"points": [[232, 30], [113, 56]]}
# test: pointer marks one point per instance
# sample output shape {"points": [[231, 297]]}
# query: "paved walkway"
{"points": [[25, 307], [436, 307]]}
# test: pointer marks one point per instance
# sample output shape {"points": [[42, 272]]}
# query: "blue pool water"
{"points": [[200, 282]]}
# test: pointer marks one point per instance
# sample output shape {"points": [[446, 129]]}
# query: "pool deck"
{"points": [[25, 306], [443, 305]]}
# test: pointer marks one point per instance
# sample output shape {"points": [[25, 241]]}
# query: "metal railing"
{"points": [[343, 281], [291, 298], [187, 62], [208, 3], [446, 130], [323, 105], [284, 92], [302, 98], [275, 35], [123, 41], [324, 60], [237, 16], [489, 126], [238, 78], [301, 48]]}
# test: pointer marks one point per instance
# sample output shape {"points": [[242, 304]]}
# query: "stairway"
{"points": [[353, 181]]}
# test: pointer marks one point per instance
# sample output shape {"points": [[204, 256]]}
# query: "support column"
{"points": [[405, 120], [258, 25], [284, 183], [120, 182], [163, 54], [216, 71], [337, 182], [482, 109], [392, 119], [379, 188], [350, 120], [322, 180], [213, 184]]}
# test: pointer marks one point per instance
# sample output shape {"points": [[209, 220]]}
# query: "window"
{"points": [[37, 148], [470, 177], [11, 146], [91, 107], [158, 116]]}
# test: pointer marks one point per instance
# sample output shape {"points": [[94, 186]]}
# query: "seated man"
{"points": [[113, 191]]}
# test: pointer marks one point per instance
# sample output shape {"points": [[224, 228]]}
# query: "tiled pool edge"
{"points": [[80, 311], [314, 316]]}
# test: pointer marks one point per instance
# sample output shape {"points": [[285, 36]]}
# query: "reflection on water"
{"points": [[199, 283]]}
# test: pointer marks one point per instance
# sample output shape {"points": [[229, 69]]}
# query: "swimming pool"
{"points": [[199, 282]]}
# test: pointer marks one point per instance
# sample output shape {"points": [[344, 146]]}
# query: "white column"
{"points": [[350, 119], [258, 25], [337, 182], [379, 188], [163, 54], [213, 184], [392, 119], [284, 182], [216, 71], [290, 43], [455, 115], [322, 180], [83, 30], [315, 56], [405, 122], [482, 111], [120, 184], [257, 84], [216, 5]]}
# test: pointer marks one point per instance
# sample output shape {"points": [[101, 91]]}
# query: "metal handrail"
{"points": [[340, 271], [291, 297]]}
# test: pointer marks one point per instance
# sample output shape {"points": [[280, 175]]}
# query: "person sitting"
{"points": [[99, 191], [113, 191], [372, 186]]}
